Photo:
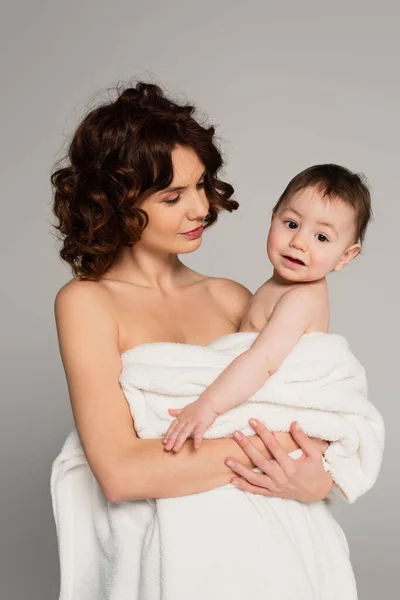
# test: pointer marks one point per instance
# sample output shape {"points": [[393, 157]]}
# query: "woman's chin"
{"points": [[189, 245]]}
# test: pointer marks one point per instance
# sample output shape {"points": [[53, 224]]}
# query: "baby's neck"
{"points": [[281, 281]]}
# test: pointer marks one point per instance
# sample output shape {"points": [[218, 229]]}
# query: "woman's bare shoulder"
{"points": [[76, 285], [78, 291], [224, 285], [82, 305], [231, 295]]}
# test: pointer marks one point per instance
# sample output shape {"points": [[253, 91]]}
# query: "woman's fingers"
{"points": [[255, 455], [273, 445], [304, 480], [309, 447], [244, 485], [269, 467], [174, 412], [257, 479]]}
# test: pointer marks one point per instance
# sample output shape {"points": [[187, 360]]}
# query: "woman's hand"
{"points": [[304, 479]]}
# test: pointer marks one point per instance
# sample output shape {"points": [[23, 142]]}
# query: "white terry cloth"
{"points": [[320, 384], [223, 542]]}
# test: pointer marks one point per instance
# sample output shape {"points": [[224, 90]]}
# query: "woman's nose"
{"points": [[199, 206]]}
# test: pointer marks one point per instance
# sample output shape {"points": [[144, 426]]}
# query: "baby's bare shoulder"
{"points": [[315, 291], [310, 302]]}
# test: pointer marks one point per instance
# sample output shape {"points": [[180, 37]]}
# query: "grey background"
{"points": [[288, 86]]}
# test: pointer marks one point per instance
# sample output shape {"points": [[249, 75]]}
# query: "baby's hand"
{"points": [[194, 419]]}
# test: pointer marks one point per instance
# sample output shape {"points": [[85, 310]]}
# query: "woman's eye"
{"points": [[322, 238], [200, 185], [172, 200], [291, 224]]}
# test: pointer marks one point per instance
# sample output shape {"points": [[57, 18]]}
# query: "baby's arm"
{"points": [[292, 317]]}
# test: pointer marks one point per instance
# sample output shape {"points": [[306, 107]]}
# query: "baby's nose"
{"points": [[299, 242]]}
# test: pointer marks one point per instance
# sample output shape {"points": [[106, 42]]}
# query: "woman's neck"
{"points": [[148, 269]]}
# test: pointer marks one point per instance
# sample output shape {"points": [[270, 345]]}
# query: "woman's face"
{"points": [[177, 214]]}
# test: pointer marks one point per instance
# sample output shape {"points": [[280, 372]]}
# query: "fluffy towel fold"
{"points": [[223, 542]]}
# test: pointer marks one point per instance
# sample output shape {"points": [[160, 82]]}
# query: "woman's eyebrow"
{"points": [[180, 188], [173, 189]]}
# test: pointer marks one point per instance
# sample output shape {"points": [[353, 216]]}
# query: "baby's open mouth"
{"points": [[295, 260]]}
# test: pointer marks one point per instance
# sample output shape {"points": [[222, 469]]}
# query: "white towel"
{"points": [[321, 384], [223, 542]]}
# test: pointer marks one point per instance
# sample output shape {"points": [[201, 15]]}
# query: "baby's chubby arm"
{"points": [[292, 317]]}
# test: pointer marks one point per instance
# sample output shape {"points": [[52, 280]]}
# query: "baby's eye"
{"points": [[291, 224], [322, 238]]}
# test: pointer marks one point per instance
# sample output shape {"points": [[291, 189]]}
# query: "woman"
{"points": [[140, 188]]}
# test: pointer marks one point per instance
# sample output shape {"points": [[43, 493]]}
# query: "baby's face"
{"points": [[310, 236]]}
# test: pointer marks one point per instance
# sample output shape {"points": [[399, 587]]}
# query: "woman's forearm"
{"points": [[148, 471]]}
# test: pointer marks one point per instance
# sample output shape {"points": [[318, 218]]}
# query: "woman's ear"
{"points": [[348, 256]]}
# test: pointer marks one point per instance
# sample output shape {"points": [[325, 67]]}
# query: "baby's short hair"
{"points": [[335, 182]]}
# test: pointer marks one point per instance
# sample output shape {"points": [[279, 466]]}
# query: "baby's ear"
{"points": [[348, 256]]}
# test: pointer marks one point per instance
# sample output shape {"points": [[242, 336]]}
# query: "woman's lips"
{"points": [[294, 261], [194, 233]]}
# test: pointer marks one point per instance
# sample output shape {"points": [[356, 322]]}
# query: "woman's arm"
{"points": [[146, 470], [125, 466]]}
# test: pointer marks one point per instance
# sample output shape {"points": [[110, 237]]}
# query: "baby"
{"points": [[317, 226]]}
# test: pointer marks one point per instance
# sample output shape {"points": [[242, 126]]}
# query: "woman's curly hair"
{"points": [[118, 156]]}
